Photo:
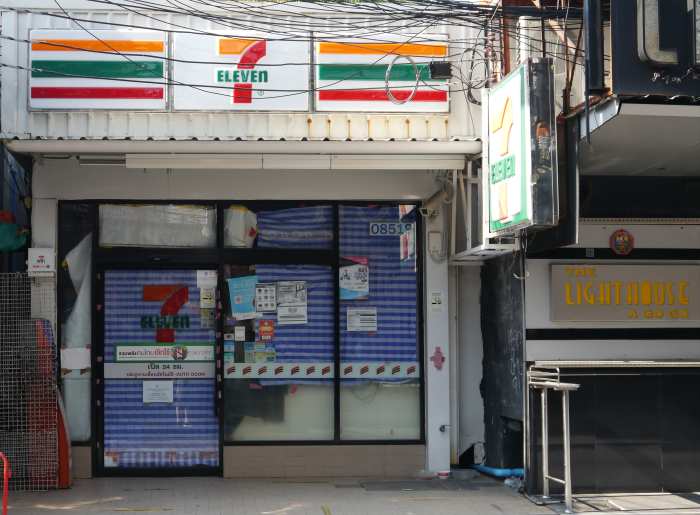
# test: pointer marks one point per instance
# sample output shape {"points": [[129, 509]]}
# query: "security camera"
{"points": [[427, 212]]}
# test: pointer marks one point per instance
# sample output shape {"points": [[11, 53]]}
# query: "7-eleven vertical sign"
{"points": [[241, 73]]}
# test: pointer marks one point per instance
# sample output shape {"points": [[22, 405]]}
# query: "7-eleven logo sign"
{"points": [[244, 76], [172, 297]]}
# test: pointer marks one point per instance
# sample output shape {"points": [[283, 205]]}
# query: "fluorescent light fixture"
{"points": [[101, 160], [397, 162], [191, 161], [296, 161]]}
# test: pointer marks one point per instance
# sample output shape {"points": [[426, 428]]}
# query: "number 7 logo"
{"points": [[251, 51], [173, 296]]}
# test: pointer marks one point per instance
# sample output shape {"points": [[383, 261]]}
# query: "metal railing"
{"points": [[545, 379]]}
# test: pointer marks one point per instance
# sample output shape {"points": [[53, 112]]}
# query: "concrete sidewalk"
{"points": [[215, 496]]}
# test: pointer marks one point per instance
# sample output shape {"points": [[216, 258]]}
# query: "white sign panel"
{"points": [[240, 74], [508, 137], [71, 69], [159, 370], [157, 391], [351, 75], [177, 352], [41, 261]]}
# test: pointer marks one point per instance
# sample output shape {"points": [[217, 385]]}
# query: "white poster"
{"points": [[157, 391], [292, 303], [252, 73], [362, 320]]}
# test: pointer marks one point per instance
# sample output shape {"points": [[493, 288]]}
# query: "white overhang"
{"points": [[640, 139], [252, 155]]}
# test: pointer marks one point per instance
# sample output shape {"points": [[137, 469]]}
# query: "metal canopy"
{"points": [[641, 139]]}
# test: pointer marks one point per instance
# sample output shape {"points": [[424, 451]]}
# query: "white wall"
{"points": [[66, 179], [437, 335], [471, 353]]}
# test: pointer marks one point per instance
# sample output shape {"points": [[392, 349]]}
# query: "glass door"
{"points": [[159, 407]]}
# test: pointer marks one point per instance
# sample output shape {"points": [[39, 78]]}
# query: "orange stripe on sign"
{"points": [[105, 45], [234, 46], [408, 49]]}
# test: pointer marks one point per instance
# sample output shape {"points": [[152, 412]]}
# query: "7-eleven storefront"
{"points": [[243, 265], [250, 323]]}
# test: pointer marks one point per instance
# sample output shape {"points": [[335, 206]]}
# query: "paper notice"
{"points": [[206, 279], [292, 303], [362, 319], [157, 391], [207, 298]]}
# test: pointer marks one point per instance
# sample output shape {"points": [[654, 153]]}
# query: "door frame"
{"points": [[101, 266]]}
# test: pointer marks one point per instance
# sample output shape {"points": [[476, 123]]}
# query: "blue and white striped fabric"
{"points": [[296, 228], [184, 433], [393, 289], [313, 341]]}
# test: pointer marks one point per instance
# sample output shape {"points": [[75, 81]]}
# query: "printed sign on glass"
{"points": [[107, 69], [351, 75], [251, 73], [354, 278]]}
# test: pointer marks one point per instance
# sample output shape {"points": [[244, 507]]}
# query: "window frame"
{"points": [[216, 257]]}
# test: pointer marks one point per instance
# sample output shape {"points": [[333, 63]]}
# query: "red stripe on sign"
{"points": [[243, 94], [135, 93], [380, 95]]}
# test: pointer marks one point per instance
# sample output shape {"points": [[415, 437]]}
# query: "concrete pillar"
{"points": [[437, 344]]}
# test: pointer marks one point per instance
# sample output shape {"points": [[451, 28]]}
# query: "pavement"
{"points": [[215, 496], [468, 495]]}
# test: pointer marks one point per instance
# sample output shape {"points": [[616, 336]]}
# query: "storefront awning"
{"points": [[640, 139]]}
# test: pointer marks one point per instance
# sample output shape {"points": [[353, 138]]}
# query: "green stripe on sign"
{"points": [[98, 69], [404, 72]]}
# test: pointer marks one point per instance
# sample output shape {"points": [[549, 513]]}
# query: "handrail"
{"points": [[6, 475], [544, 379]]}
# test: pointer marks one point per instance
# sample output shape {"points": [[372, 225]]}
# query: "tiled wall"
{"points": [[323, 461]]}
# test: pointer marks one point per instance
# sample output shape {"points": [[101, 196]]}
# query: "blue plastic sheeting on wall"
{"points": [[314, 341], [296, 228], [179, 434], [393, 288]]}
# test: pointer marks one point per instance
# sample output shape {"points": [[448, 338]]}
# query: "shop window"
{"points": [[75, 316], [379, 340], [295, 227], [279, 343], [163, 225]]}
